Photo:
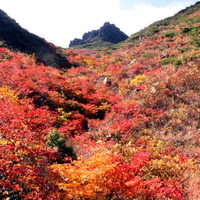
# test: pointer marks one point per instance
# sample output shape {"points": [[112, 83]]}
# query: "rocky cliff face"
{"points": [[108, 33], [17, 38]]}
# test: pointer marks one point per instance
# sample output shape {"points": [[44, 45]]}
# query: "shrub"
{"points": [[186, 30], [170, 34], [173, 61], [57, 141]]}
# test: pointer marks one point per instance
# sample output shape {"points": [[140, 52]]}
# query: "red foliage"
{"points": [[153, 91]]}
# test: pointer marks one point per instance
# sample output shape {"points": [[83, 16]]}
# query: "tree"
{"points": [[57, 141]]}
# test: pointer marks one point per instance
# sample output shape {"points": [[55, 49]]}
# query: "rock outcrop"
{"points": [[108, 33]]}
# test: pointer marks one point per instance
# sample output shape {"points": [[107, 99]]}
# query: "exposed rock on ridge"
{"points": [[108, 33]]}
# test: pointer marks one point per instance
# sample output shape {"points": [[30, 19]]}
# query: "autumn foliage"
{"points": [[122, 123]]}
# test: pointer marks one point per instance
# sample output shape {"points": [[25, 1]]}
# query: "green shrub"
{"points": [[57, 141], [173, 61], [186, 30], [147, 55], [152, 30], [166, 61], [154, 37], [196, 42], [177, 62], [169, 34], [165, 22]]}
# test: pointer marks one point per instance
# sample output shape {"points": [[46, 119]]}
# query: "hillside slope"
{"points": [[14, 36], [158, 68], [122, 123]]}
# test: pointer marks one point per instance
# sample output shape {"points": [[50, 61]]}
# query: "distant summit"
{"points": [[107, 33], [13, 36]]}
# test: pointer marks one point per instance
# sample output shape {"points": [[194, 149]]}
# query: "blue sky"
{"points": [[126, 4], [59, 21]]}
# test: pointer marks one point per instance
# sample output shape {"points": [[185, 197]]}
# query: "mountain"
{"points": [[183, 20], [108, 33], [121, 123], [14, 36]]}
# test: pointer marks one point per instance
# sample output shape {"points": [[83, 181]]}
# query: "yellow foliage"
{"points": [[138, 79], [88, 61], [104, 106], [6, 91], [169, 167], [4, 141], [83, 179], [63, 115]]}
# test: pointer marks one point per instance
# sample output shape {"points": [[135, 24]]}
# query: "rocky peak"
{"points": [[108, 33]]}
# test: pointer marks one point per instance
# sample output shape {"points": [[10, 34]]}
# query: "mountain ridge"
{"points": [[14, 36], [154, 27], [107, 33]]}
